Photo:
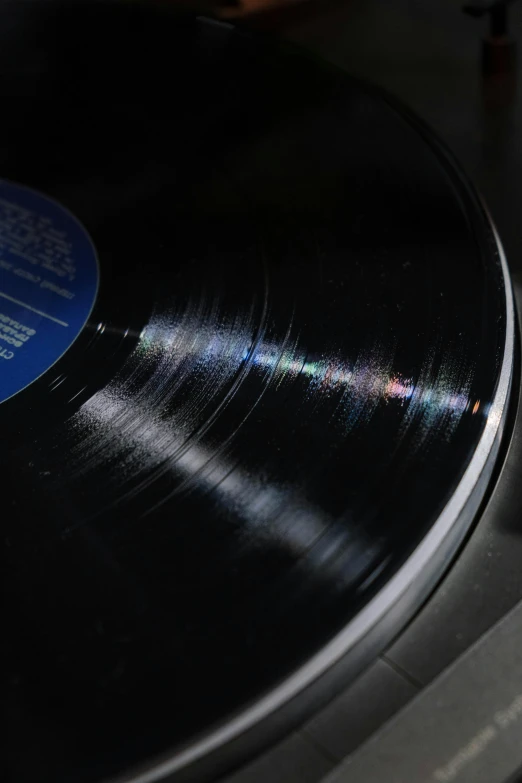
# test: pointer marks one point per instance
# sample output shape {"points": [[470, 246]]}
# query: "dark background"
{"points": [[428, 54]]}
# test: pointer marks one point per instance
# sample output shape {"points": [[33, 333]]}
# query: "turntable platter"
{"points": [[280, 417]]}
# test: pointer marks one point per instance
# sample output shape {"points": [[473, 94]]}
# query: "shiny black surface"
{"points": [[296, 342]]}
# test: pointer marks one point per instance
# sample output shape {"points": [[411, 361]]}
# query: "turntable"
{"points": [[258, 405]]}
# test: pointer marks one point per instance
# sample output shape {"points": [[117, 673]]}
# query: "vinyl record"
{"points": [[264, 342]]}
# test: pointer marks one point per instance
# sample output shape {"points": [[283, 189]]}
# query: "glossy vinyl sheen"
{"points": [[297, 339]]}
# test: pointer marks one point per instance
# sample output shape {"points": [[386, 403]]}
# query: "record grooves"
{"points": [[281, 415]]}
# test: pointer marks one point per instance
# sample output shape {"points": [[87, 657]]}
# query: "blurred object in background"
{"points": [[280, 16], [270, 15], [238, 8], [232, 9]]}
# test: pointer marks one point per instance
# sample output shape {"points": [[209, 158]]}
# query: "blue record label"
{"points": [[48, 284]]}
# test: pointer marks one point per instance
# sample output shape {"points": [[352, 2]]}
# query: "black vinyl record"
{"points": [[300, 343]]}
